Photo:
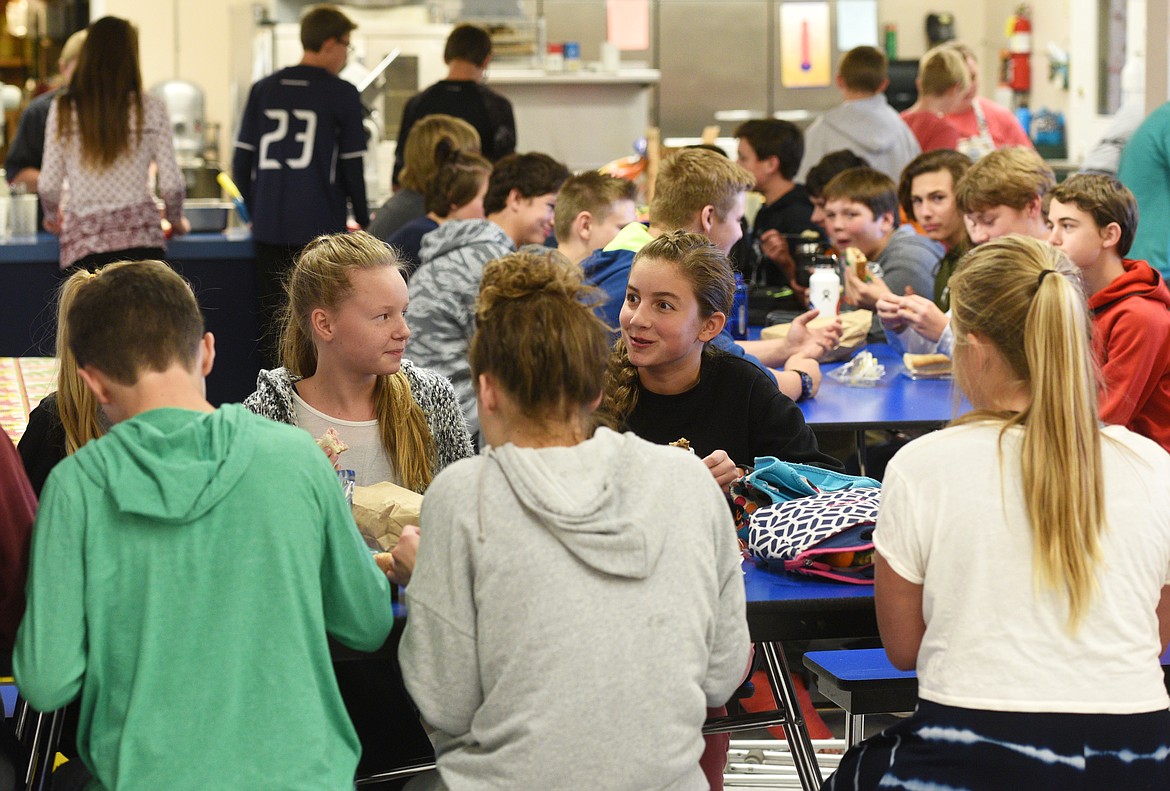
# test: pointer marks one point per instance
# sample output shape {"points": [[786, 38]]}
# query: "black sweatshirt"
{"points": [[734, 407]]}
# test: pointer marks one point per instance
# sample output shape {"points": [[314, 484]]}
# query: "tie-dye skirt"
{"points": [[945, 748]]}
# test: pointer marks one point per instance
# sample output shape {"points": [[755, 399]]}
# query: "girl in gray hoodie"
{"points": [[577, 600]]}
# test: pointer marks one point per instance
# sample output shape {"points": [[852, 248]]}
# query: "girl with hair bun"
{"points": [[344, 335], [556, 616], [666, 383], [455, 193], [1030, 592]]}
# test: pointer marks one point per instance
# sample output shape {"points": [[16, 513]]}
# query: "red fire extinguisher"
{"points": [[1020, 51]]}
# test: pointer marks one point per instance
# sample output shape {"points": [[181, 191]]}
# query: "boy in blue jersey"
{"points": [[299, 157], [187, 567]]}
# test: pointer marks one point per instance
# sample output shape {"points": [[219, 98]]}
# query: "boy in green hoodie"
{"points": [[188, 566]]}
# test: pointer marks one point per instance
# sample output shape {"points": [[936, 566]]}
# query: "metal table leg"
{"points": [[861, 460], [795, 728]]}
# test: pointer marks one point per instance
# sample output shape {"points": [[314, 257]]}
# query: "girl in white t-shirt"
{"points": [[1023, 557]]}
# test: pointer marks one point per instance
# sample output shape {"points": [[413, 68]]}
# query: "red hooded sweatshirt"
{"points": [[1131, 321]]}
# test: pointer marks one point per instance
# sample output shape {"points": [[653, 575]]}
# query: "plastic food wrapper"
{"points": [[348, 479], [862, 371], [382, 510]]}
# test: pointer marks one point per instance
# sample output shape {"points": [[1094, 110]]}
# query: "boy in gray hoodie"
{"points": [[864, 122], [520, 199]]}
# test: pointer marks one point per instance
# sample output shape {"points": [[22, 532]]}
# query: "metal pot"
{"points": [[207, 215]]}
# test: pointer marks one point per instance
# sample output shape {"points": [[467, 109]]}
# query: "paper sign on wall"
{"points": [[857, 24], [804, 45], [628, 24]]}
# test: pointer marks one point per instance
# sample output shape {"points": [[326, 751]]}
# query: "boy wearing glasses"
{"points": [[299, 158]]}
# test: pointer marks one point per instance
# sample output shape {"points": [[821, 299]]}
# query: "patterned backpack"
{"points": [[774, 481], [827, 535]]}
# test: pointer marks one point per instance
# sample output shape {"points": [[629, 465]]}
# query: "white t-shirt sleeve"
{"points": [[896, 536]]}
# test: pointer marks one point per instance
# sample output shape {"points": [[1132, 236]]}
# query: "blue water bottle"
{"points": [[739, 309]]}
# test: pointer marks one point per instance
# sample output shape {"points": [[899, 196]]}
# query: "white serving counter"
{"points": [[582, 118]]}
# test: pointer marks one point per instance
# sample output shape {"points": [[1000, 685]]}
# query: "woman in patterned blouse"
{"points": [[103, 136]]}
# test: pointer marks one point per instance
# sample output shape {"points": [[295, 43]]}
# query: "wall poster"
{"points": [[805, 52]]}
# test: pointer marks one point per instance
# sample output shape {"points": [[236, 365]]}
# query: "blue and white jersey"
{"points": [[299, 155]]}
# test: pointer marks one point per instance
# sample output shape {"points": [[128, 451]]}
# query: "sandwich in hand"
{"points": [[927, 364], [331, 442], [856, 259]]}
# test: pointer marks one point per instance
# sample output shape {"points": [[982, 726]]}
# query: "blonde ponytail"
{"points": [[1013, 283], [76, 406]]}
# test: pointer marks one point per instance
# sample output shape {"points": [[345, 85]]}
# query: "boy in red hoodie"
{"points": [[1093, 219]]}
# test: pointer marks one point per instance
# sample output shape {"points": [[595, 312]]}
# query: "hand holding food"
{"points": [[331, 441], [398, 566], [859, 264], [721, 467], [863, 293]]}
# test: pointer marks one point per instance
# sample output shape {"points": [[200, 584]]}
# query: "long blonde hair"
{"points": [[76, 405], [707, 269], [1039, 323], [321, 279]]}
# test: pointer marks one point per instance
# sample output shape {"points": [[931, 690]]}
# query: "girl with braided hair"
{"points": [[665, 383]]}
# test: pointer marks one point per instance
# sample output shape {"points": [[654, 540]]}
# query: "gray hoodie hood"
{"points": [[462, 233], [586, 497], [860, 121]]}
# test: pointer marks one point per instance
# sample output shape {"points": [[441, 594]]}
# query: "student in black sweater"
{"points": [[68, 418], [664, 384]]}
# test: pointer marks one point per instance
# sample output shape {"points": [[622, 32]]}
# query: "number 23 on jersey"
{"points": [[305, 134]]}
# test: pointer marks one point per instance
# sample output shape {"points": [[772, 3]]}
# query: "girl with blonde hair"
{"points": [[68, 418], [344, 335], [1029, 592], [557, 616], [409, 200], [666, 383], [455, 192]]}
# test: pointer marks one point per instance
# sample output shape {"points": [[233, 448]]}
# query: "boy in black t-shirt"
{"points": [[771, 151], [468, 53]]}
